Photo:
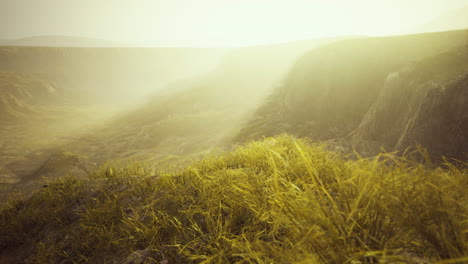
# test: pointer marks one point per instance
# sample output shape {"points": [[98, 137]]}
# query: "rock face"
{"points": [[404, 99], [441, 122], [363, 94]]}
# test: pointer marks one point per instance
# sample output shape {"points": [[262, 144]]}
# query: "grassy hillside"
{"points": [[280, 200]]}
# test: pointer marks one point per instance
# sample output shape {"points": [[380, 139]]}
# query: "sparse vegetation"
{"points": [[280, 200]]}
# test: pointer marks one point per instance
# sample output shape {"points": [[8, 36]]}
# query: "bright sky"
{"points": [[215, 22]]}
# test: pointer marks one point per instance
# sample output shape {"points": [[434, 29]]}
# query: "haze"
{"points": [[216, 22], [233, 131]]}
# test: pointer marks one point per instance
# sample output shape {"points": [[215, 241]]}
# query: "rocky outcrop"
{"points": [[440, 124], [365, 94], [331, 89], [400, 102]]}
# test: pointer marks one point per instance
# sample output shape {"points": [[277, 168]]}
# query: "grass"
{"points": [[280, 200]]}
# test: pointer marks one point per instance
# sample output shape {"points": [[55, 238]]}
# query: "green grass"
{"points": [[280, 200]]}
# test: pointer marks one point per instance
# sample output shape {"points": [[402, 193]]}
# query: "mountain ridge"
{"points": [[60, 41]]}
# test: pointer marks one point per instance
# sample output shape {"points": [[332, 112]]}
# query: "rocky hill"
{"points": [[407, 100], [441, 122], [332, 90]]}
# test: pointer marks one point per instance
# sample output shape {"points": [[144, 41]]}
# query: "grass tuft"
{"points": [[280, 200]]}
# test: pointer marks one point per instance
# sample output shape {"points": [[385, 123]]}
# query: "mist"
{"points": [[215, 23], [219, 131]]}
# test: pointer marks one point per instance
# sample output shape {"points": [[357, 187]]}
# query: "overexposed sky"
{"points": [[215, 22]]}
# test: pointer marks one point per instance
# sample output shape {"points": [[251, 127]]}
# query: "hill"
{"points": [[331, 89], [281, 200], [441, 122], [50, 96], [21, 94], [184, 121], [196, 115], [421, 104], [108, 75], [327, 95], [60, 41]]}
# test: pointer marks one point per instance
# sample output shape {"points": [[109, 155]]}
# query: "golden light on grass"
{"points": [[280, 200]]}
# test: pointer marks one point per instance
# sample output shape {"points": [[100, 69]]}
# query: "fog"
{"points": [[215, 23], [233, 131]]}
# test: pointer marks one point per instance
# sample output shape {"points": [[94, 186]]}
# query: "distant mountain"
{"points": [[453, 20], [108, 75], [61, 41]]}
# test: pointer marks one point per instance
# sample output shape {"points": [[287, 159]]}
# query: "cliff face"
{"points": [[401, 101], [440, 124], [360, 93]]}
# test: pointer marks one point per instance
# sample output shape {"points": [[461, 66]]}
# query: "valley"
{"points": [[350, 102]]}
